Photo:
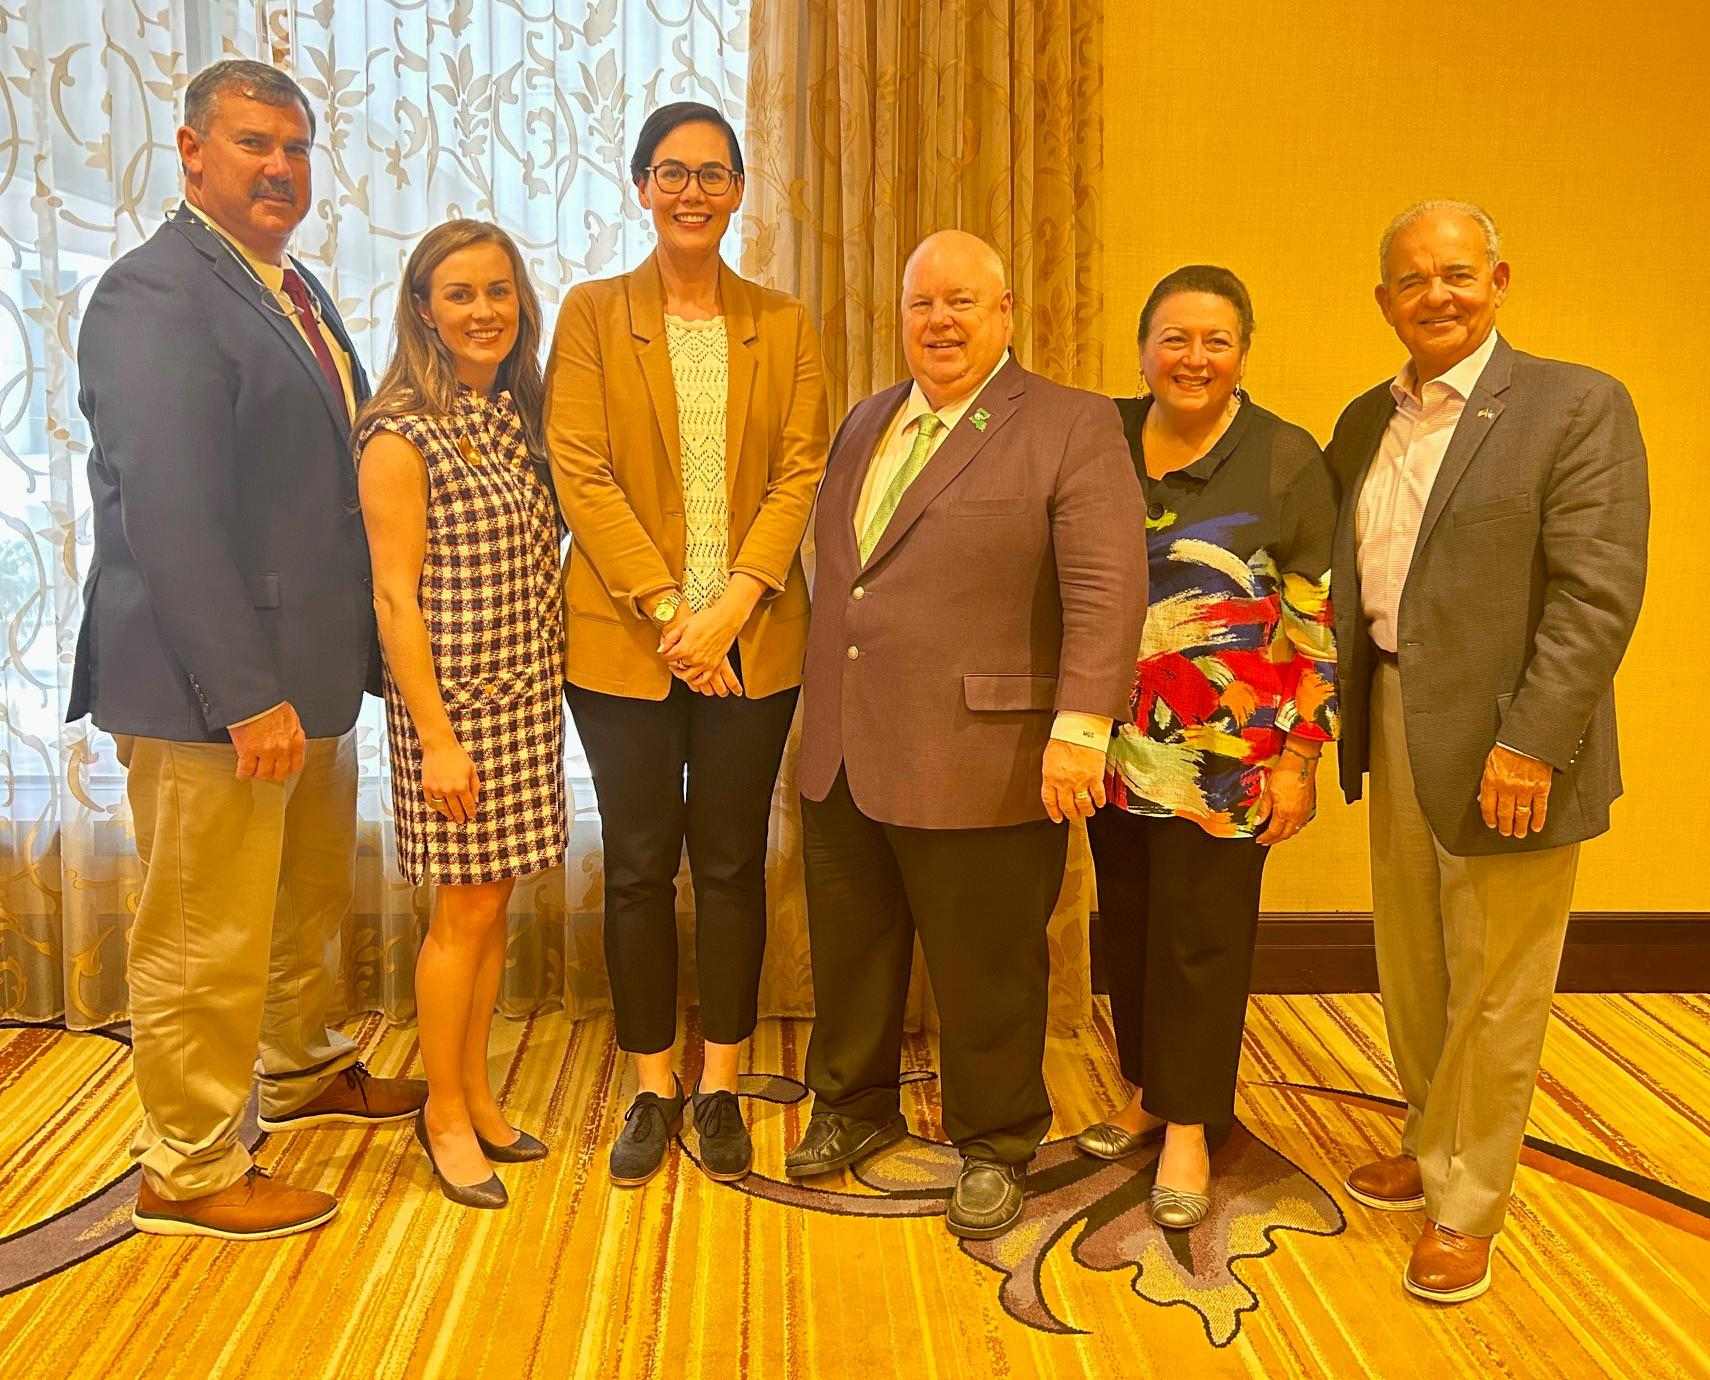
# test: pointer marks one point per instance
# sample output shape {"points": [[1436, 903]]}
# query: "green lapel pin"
{"points": [[980, 418]]}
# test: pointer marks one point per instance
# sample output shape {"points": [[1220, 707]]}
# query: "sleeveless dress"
{"points": [[491, 599]]}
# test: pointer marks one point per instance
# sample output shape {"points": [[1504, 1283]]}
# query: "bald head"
{"points": [[959, 252], [957, 315]]}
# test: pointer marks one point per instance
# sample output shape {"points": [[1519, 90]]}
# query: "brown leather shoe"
{"points": [[354, 1098], [1391, 1184], [255, 1208], [1448, 1266]]}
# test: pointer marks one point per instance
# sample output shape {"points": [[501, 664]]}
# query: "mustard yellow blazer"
{"points": [[611, 430]]}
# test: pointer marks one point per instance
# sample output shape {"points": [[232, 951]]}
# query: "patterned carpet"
{"points": [[1604, 1269]]}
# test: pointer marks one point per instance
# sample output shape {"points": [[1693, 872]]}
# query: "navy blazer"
{"points": [[230, 568]]}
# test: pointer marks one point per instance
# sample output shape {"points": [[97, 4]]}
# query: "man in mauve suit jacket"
{"points": [[228, 635], [977, 610], [1488, 569]]}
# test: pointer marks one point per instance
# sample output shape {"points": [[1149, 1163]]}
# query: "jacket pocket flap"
{"points": [[486, 692], [264, 591], [988, 507], [1496, 508], [999, 692]]}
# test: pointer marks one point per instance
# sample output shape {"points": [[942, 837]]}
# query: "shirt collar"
{"points": [[917, 407], [1207, 464], [1459, 380], [273, 275]]}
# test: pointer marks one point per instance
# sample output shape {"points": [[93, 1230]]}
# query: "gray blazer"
{"points": [[1522, 595], [1010, 584], [230, 568]]}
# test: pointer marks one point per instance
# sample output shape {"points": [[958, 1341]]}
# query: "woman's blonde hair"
{"points": [[421, 377]]}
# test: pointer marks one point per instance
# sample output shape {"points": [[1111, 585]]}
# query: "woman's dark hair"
{"points": [[1220, 282], [665, 119]]}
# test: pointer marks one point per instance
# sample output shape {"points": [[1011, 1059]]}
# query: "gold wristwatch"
{"points": [[666, 609]]}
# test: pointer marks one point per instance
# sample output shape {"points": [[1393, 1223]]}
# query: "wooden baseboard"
{"points": [[1606, 951]]}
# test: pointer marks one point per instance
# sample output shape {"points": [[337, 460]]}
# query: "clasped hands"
{"points": [[696, 646]]}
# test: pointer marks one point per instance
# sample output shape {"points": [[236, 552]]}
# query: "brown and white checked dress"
{"points": [[490, 597]]}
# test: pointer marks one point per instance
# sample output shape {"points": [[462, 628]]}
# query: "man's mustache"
{"points": [[278, 189]]}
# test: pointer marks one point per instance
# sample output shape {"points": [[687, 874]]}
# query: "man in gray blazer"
{"points": [[227, 637], [1489, 563], [977, 612]]}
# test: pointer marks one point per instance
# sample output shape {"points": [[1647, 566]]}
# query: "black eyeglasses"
{"points": [[673, 177]]}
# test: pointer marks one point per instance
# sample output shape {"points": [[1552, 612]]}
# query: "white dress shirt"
{"points": [[1398, 485], [1071, 726]]}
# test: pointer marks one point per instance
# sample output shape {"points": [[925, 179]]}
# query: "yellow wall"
{"points": [[1278, 139]]}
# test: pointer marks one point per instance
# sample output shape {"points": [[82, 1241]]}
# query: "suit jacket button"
{"points": [[859, 593], [854, 653]]}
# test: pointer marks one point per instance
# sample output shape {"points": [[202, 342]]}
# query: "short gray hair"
{"points": [[256, 80], [1477, 214]]}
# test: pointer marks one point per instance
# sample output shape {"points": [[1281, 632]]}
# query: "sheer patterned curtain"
{"points": [[519, 111]]}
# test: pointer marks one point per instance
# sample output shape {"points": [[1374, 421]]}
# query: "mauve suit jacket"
{"points": [[1011, 583], [1525, 585], [230, 569]]}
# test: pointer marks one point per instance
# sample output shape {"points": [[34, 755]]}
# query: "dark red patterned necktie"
{"points": [[298, 291]]}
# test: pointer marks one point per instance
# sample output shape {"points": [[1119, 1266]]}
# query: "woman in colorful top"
{"points": [[463, 538], [686, 424], [1233, 701]]}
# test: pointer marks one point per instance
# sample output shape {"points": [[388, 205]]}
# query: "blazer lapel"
{"points": [[741, 331], [237, 277], [1367, 444], [1480, 414], [852, 455], [647, 326], [998, 400], [333, 398]]}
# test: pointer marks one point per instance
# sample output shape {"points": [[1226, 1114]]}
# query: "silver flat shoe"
{"points": [[1173, 1208], [1107, 1141]]}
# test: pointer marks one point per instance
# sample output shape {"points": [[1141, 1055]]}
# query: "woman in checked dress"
{"points": [[463, 537]]}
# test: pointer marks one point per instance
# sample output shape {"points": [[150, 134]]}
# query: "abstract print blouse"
{"points": [[1238, 650]]}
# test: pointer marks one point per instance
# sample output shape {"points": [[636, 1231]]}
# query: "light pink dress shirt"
{"points": [[1398, 485]]}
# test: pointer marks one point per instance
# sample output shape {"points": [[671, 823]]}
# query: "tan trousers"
{"points": [[1467, 953], [244, 884]]}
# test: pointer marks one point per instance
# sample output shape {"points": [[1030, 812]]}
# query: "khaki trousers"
{"points": [[244, 883], [1467, 953]]}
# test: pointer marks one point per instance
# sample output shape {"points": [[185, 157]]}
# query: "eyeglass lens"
{"points": [[674, 177]]}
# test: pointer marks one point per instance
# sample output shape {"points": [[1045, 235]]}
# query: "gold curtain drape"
{"points": [[870, 124]]}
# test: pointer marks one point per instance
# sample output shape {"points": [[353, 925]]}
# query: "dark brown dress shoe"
{"points": [[1448, 1266], [355, 1097], [832, 1142], [1391, 1184], [988, 1199], [255, 1208]]}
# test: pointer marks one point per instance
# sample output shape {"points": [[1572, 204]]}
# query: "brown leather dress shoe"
{"points": [[354, 1098], [1391, 1184], [1448, 1266], [255, 1208]]}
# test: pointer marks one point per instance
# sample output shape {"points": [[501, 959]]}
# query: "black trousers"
{"points": [[639, 752], [979, 900], [1178, 913]]}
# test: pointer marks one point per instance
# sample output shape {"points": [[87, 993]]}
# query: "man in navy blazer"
{"points": [[227, 639]]}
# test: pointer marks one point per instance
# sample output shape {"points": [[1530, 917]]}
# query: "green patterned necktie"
{"points": [[929, 425]]}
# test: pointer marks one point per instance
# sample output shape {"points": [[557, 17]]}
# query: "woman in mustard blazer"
{"points": [[686, 423]]}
